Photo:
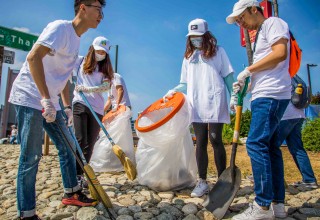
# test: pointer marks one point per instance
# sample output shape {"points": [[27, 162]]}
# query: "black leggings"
{"points": [[86, 129], [201, 132]]}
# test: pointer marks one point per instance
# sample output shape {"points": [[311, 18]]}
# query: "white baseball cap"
{"points": [[197, 27], [101, 43], [239, 7]]}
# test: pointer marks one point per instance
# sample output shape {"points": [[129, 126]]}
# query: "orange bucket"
{"points": [[174, 104], [111, 115]]}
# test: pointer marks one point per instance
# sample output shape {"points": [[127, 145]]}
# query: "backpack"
{"points": [[295, 56], [300, 100]]}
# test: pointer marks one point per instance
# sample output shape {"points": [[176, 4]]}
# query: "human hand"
{"points": [[69, 114], [169, 95], [237, 86], [80, 88], [114, 107], [49, 112], [243, 75], [233, 102]]}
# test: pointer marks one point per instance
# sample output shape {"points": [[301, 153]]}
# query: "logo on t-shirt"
{"points": [[194, 27]]}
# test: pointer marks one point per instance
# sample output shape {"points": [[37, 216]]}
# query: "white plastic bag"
{"points": [[103, 159], [166, 156]]}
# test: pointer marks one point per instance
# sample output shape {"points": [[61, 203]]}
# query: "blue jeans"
{"points": [[12, 139], [30, 125], [290, 130], [265, 154]]}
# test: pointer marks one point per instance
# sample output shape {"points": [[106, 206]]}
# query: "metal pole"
{"points": [[116, 60], [309, 77]]}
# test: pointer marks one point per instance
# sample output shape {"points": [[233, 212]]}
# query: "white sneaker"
{"points": [[279, 210], [200, 189], [254, 212]]}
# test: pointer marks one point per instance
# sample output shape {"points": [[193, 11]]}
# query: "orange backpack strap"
{"points": [[295, 56]]}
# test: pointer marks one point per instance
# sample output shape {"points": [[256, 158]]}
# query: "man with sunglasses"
{"points": [[271, 92], [34, 93]]}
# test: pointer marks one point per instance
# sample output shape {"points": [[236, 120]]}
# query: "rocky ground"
{"points": [[130, 199]]}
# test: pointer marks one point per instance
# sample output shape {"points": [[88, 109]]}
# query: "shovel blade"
{"points": [[223, 192]]}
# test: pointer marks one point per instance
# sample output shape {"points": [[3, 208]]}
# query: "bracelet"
{"points": [[67, 107]]}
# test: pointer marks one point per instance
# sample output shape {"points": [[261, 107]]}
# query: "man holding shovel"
{"points": [[271, 91], [34, 93]]}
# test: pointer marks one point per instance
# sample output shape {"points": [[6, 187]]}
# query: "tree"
{"points": [[315, 99]]}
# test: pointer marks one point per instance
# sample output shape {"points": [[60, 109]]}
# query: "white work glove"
{"points": [[237, 86], [69, 114], [114, 107], [233, 102], [169, 95], [243, 75], [49, 112], [81, 88]]}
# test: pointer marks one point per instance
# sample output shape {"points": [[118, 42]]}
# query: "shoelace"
{"points": [[250, 210]]}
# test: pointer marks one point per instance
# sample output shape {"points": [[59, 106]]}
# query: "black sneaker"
{"points": [[78, 199], [82, 182], [35, 217], [312, 185]]}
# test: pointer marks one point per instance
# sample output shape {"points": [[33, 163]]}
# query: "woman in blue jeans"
{"points": [[290, 131]]}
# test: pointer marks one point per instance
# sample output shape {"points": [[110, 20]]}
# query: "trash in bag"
{"points": [[118, 125], [165, 154]]}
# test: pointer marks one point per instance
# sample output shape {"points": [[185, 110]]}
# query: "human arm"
{"points": [[104, 87], [66, 103], [278, 54], [34, 59], [107, 105], [120, 93], [228, 81]]}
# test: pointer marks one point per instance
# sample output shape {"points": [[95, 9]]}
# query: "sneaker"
{"points": [[82, 182], [279, 210], [78, 199], [35, 217], [254, 212], [200, 189], [312, 185]]}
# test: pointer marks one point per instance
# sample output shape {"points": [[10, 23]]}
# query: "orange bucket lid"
{"points": [[111, 115], [175, 103]]}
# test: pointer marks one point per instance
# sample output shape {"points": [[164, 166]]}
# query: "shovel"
{"points": [[224, 191]]}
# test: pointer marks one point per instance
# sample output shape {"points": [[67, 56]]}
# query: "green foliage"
{"points": [[315, 99], [311, 134], [227, 132]]}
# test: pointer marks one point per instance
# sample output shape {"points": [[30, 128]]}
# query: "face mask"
{"points": [[196, 42], [100, 57]]}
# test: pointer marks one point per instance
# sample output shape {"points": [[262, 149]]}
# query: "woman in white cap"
{"points": [[205, 74], [94, 73]]}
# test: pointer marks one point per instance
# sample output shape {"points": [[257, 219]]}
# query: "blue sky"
{"points": [[151, 36]]}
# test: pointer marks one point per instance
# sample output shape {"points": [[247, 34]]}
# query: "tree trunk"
{"points": [[275, 8], [248, 46]]}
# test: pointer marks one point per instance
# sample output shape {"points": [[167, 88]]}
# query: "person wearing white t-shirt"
{"points": [[271, 92], [118, 94], [34, 93], [94, 74], [206, 72], [290, 131]]}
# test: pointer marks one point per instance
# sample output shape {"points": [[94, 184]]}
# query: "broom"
{"points": [[95, 188], [127, 164]]}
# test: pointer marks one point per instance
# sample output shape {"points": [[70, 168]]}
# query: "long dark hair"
{"points": [[209, 46], [104, 65]]}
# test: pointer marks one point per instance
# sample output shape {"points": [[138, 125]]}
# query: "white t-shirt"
{"points": [[95, 99], [206, 88], [293, 112], [272, 83], [63, 41], [113, 94]]}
